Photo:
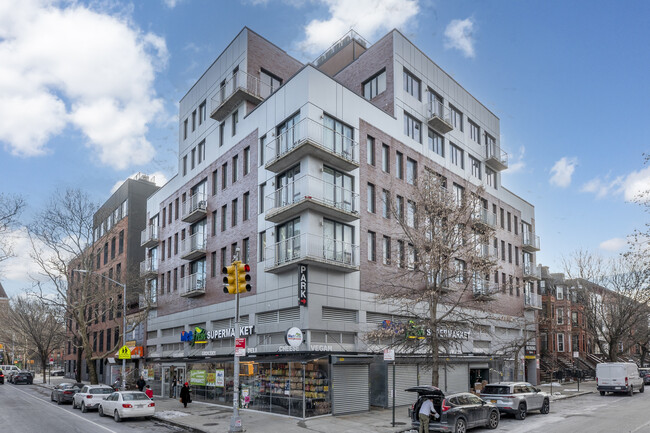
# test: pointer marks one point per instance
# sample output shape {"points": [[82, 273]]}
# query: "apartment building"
{"points": [[288, 165], [117, 227]]}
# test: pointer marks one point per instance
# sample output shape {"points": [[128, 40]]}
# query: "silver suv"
{"points": [[517, 398]]}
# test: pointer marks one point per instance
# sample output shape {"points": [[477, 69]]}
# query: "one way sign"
{"points": [[125, 352]]}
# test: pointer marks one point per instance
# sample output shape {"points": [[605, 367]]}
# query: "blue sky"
{"points": [[89, 94]]}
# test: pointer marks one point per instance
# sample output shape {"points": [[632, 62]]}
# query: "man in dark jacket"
{"points": [[141, 383], [185, 394]]}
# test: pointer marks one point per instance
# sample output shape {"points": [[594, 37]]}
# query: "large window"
{"points": [[337, 241], [474, 132], [475, 166], [337, 136], [411, 171], [385, 199], [371, 198], [372, 254], [385, 158], [288, 241], [560, 316], [287, 190], [287, 134], [411, 85], [370, 150], [456, 155], [269, 83], [491, 177], [436, 143], [386, 251], [456, 118], [560, 342], [412, 128], [375, 85], [410, 214], [338, 189]]}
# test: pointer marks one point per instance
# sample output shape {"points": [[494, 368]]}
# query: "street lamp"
{"points": [[83, 271]]}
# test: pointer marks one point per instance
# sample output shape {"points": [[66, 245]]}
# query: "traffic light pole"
{"points": [[235, 421]]}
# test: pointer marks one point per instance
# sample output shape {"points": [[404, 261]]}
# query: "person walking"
{"points": [[174, 387], [141, 383], [185, 394], [149, 392], [426, 411]]}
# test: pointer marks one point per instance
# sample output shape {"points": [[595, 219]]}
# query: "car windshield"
{"points": [[134, 396], [101, 391], [494, 389]]}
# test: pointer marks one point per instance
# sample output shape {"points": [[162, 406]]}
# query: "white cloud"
{"points": [[171, 4], [562, 172], [366, 17], [613, 245], [158, 177], [64, 64], [516, 161], [459, 35], [633, 186]]}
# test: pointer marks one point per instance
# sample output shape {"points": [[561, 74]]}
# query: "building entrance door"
{"points": [[169, 373]]}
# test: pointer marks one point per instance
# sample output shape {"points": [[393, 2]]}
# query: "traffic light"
{"points": [[243, 278], [229, 281]]}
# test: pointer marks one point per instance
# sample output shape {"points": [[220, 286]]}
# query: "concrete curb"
{"points": [[564, 397], [178, 424]]}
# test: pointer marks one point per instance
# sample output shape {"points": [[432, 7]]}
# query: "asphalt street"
{"points": [[28, 409]]}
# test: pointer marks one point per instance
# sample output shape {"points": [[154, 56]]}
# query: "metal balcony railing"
{"points": [[482, 287], [495, 157], [194, 208], [483, 216], [532, 300], [149, 236], [149, 266], [312, 247], [193, 285], [530, 241], [438, 116], [193, 246], [239, 87], [333, 143], [531, 271]]}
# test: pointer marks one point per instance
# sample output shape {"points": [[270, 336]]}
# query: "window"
{"points": [[516, 256], [509, 222], [224, 214], [201, 153], [399, 165], [474, 132], [410, 214], [456, 118], [262, 197], [246, 206], [261, 247], [503, 219], [247, 160], [185, 129], [215, 182], [412, 128], [385, 158], [193, 120], [371, 198], [386, 252], [224, 258], [121, 242], [475, 165], [375, 85], [235, 121], [233, 210], [509, 253], [411, 85], [559, 293], [337, 238], [400, 208], [246, 249], [385, 198], [370, 150], [400, 254], [516, 225], [106, 253], [270, 83], [202, 112], [176, 208], [235, 168], [503, 250], [560, 316], [459, 194], [560, 342], [222, 128], [371, 246], [461, 268], [224, 175], [262, 150], [491, 176], [411, 171], [456, 155], [184, 165], [436, 143]]}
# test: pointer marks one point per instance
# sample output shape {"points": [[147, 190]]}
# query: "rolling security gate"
{"points": [[350, 389], [454, 378], [406, 376]]}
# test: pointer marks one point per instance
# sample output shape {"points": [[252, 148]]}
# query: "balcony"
{"points": [[482, 217], [530, 242], [484, 289], [309, 137], [149, 237], [239, 88], [532, 301], [312, 249], [147, 301], [309, 192], [487, 252], [495, 158], [531, 272], [194, 246], [149, 267], [195, 208], [438, 117], [193, 285]]}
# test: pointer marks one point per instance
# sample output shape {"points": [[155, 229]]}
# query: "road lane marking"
{"points": [[71, 413]]}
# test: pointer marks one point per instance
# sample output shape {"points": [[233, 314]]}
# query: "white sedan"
{"points": [[90, 396], [127, 404]]}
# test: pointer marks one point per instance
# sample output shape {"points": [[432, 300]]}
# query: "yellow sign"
{"points": [[125, 352], [1, 346], [529, 357]]}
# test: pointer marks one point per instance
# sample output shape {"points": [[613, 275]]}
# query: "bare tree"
{"points": [[10, 210], [40, 326], [444, 263]]}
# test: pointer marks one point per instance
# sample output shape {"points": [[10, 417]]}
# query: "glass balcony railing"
{"points": [[438, 116], [149, 236], [530, 241], [239, 87], [149, 266], [531, 271], [194, 208], [532, 300], [495, 157], [193, 246], [483, 216], [193, 285], [314, 248]]}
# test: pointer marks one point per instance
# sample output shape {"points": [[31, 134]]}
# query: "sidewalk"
{"points": [[560, 391], [206, 417]]}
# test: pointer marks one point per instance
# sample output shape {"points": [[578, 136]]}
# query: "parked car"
{"points": [[127, 404], [8, 368], [22, 377], [517, 398], [9, 376], [58, 372], [2, 378], [645, 374], [90, 396], [618, 377], [64, 392], [458, 412]]}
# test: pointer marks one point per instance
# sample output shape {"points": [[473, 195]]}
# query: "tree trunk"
{"points": [[435, 353], [78, 367], [516, 369], [92, 371], [44, 362]]}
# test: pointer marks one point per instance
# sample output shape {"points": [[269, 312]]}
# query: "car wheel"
{"points": [[100, 411], [602, 392], [546, 407], [51, 396], [631, 391], [58, 400], [74, 405], [642, 388], [116, 416], [461, 426], [84, 409], [493, 422], [148, 418], [521, 412]]}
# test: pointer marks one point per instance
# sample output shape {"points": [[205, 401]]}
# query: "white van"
{"points": [[618, 377], [7, 368]]}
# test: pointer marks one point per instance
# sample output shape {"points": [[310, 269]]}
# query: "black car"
{"points": [[64, 392], [2, 378], [645, 374], [22, 377], [458, 412]]}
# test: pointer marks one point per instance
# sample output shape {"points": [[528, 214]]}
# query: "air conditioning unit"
{"points": [[203, 205]]}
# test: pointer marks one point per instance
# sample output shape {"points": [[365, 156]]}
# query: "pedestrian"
{"points": [[426, 411], [185, 394], [174, 387], [141, 383], [149, 392]]}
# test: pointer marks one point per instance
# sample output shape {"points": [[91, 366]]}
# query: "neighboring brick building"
{"points": [[290, 164]]}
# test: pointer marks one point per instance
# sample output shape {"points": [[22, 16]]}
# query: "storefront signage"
{"points": [[219, 334], [208, 353], [197, 336], [294, 337], [198, 377], [212, 378], [137, 352], [240, 347], [389, 354], [415, 332], [321, 348], [220, 377], [302, 285]]}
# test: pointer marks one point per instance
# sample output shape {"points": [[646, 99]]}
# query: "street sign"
{"points": [[240, 347], [125, 352], [389, 354], [576, 354]]}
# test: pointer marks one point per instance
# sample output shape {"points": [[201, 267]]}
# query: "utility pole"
{"points": [[235, 421]]}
